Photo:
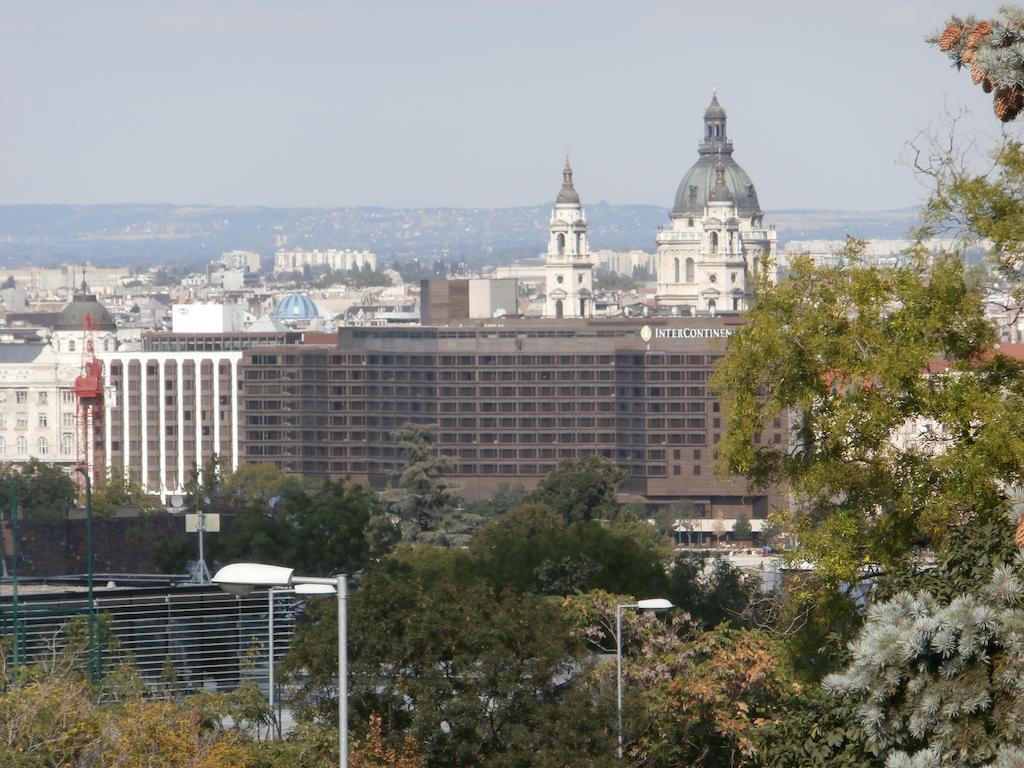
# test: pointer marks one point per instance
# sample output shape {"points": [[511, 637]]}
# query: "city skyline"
{"points": [[465, 105]]}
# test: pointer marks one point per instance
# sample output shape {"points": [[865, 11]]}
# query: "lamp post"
{"points": [[654, 604], [241, 578], [93, 670], [13, 498]]}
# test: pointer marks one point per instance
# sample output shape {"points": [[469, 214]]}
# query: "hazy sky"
{"points": [[465, 102]]}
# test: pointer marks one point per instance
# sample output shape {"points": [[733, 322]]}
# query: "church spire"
{"points": [[567, 195], [715, 140]]}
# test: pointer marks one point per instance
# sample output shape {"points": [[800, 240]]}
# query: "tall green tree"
{"points": [[582, 489], [474, 676], [907, 420], [45, 491], [425, 497]]}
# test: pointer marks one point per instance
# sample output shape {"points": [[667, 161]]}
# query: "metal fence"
{"points": [[180, 640]]}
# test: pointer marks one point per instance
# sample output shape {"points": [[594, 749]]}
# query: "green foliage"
{"points": [[710, 589], [533, 550], [742, 530], [44, 490], [470, 674], [815, 730], [505, 499], [326, 528], [118, 492], [582, 489], [988, 207], [845, 349], [254, 482], [425, 498]]}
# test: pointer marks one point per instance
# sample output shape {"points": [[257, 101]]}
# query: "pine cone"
{"points": [[987, 85], [1008, 102], [968, 57], [950, 37], [1018, 536], [979, 33], [977, 75]]}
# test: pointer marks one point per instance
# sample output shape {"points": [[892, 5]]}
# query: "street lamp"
{"points": [[93, 671], [653, 604], [242, 578]]}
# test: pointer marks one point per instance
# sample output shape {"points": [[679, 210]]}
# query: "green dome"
{"points": [[72, 317]]}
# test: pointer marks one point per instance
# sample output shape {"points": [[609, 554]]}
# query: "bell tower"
{"points": [[568, 267]]}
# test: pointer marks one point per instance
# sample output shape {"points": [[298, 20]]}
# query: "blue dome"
{"points": [[297, 306]]}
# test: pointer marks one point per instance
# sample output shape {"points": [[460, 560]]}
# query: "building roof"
{"points": [[11, 354], [296, 306], [72, 317]]}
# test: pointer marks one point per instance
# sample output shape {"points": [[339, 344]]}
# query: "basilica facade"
{"points": [[716, 242]]}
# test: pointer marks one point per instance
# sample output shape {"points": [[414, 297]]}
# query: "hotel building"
{"points": [[510, 399]]}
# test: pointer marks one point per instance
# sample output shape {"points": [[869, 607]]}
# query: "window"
{"points": [[67, 396], [21, 397], [67, 444], [43, 420], [713, 242], [689, 270], [22, 445], [71, 346], [42, 446], [42, 397], [21, 422], [68, 420], [3, 445], [675, 264]]}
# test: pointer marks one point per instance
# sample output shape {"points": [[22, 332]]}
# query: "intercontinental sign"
{"points": [[647, 333]]}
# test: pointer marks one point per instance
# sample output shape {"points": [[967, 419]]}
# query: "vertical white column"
{"points": [[161, 396], [144, 421], [107, 412], [181, 420], [197, 414], [234, 414], [126, 370], [216, 407]]}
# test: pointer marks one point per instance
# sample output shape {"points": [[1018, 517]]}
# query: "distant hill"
{"points": [[143, 235]]}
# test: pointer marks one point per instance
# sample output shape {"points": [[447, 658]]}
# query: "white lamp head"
{"points": [[241, 578], [654, 604]]}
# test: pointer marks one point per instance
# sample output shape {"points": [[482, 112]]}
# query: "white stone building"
{"points": [[347, 260], [708, 255], [37, 401], [568, 269]]}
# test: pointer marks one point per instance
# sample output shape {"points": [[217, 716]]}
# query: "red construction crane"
{"points": [[89, 405]]}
